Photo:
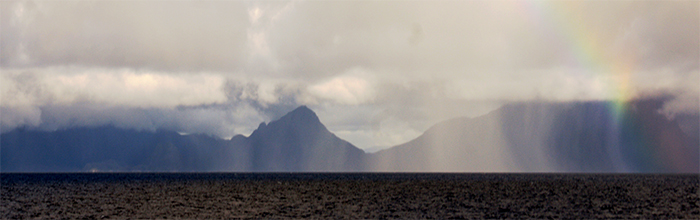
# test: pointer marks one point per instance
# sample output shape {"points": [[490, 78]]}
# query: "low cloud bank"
{"points": [[222, 67]]}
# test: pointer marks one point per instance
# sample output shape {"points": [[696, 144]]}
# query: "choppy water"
{"points": [[348, 195]]}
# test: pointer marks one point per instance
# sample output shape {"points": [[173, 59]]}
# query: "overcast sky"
{"points": [[378, 73]]}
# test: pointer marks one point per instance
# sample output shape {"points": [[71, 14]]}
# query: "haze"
{"points": [[378, 73]]}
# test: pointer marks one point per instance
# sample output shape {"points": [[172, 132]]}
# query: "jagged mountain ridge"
{"points": [[521, 137], [296, 142]]}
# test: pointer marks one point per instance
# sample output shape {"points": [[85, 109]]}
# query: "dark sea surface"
{"points": [[348, 195]]}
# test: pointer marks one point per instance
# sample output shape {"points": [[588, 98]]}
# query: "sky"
{"points": [[377, 73]]}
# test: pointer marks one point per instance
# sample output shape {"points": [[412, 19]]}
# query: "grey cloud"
{"points": [[416, 51], [311, 38], [283, 98], [432, 98], [10, 117], [170, 36], [682, 102], [221, 121], [241, 113], [459, 37], [315, 39], [399, 113], [669, 34]]}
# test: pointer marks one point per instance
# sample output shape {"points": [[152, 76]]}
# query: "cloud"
{"points": [[12, 117], [397, 66], [352, 88], [172, 36], [124, 87], [313, 39], [219, 120]]}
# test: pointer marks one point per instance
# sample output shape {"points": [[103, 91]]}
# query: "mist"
{"points": [[379, 74], [551, 137]]}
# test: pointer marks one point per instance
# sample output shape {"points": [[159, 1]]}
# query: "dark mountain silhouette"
{"points": [[526, 137], [109, 149], [299, 142], [546, 137], [296, 142]]}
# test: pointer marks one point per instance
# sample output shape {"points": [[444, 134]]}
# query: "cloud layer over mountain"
{"points": [[379, 73]]}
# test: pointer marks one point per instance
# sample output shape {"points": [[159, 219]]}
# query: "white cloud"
{"points": [[352, 88], [122, 87], [410, 62]]}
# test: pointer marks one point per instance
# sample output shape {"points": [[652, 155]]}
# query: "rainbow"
{"points": [[561, 23], [558, 20]]}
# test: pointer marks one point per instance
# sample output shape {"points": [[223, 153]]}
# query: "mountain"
{"points": [[519, 137], [551, 137], [296, 142], [299, 142], [108, 148], [457, 145]]}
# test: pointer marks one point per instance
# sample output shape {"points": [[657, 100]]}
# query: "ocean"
{"points": [[348, 195]]}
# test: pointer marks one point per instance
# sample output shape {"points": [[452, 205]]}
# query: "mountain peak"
{"points": [[298, 141], [302, 110], [301, 118], [301, 114], [262, 125]]}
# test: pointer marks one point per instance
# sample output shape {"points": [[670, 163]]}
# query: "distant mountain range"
{"points": [[552, 137], [296, 142], [521, 137]]}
